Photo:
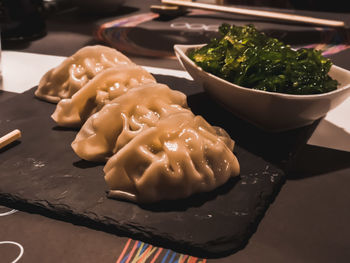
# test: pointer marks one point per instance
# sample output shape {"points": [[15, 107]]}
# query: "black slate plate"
{"points": [[42, 174]]}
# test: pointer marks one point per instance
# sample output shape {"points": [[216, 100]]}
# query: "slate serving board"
{"points": [[42, 174]]}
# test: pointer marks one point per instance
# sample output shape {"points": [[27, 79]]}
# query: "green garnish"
{"points": [[249, 58]]}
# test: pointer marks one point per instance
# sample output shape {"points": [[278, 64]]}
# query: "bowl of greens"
{"points": [[264, 81]]}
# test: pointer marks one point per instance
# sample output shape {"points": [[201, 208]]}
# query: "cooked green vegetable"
{"points": [[249, 58]]}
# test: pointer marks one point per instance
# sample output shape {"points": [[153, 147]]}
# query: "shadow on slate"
{"points": [[41, 174]]}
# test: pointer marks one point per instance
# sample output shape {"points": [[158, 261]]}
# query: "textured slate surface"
{"points": [[42, 174]]}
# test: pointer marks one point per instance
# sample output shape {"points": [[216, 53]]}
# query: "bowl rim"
{"points": [[180, 50]]}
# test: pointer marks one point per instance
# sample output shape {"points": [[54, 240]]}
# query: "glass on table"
{"points": [[21, 20]]}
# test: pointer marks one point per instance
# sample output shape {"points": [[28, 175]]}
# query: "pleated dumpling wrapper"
{"points": [[75, 71], [106, 86], [180, 156], [119, 121]]}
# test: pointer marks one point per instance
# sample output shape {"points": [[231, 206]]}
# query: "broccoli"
{"points": [[249, 58]]}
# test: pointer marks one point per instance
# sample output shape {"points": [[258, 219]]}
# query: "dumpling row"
{"points": [[155, 147]]}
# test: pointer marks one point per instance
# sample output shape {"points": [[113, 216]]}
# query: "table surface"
{"points": [[308, 221]]}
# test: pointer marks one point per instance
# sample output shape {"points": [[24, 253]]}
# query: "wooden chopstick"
{"points": [[10, 137], [258, 13]]}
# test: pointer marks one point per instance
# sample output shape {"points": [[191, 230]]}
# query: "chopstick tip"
{"points": [[10, 137]]}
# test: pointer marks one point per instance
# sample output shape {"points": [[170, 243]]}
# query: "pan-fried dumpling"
{"points": [[75, 71], [106, 86], [180, 156], [119, 121]]}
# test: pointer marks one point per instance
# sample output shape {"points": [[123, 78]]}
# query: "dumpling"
{"points": [[75, 71], [180, 156], [106, 86], [119, 121]]}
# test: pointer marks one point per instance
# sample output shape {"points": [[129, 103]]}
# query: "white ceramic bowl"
{"points": [[268, 110]]}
